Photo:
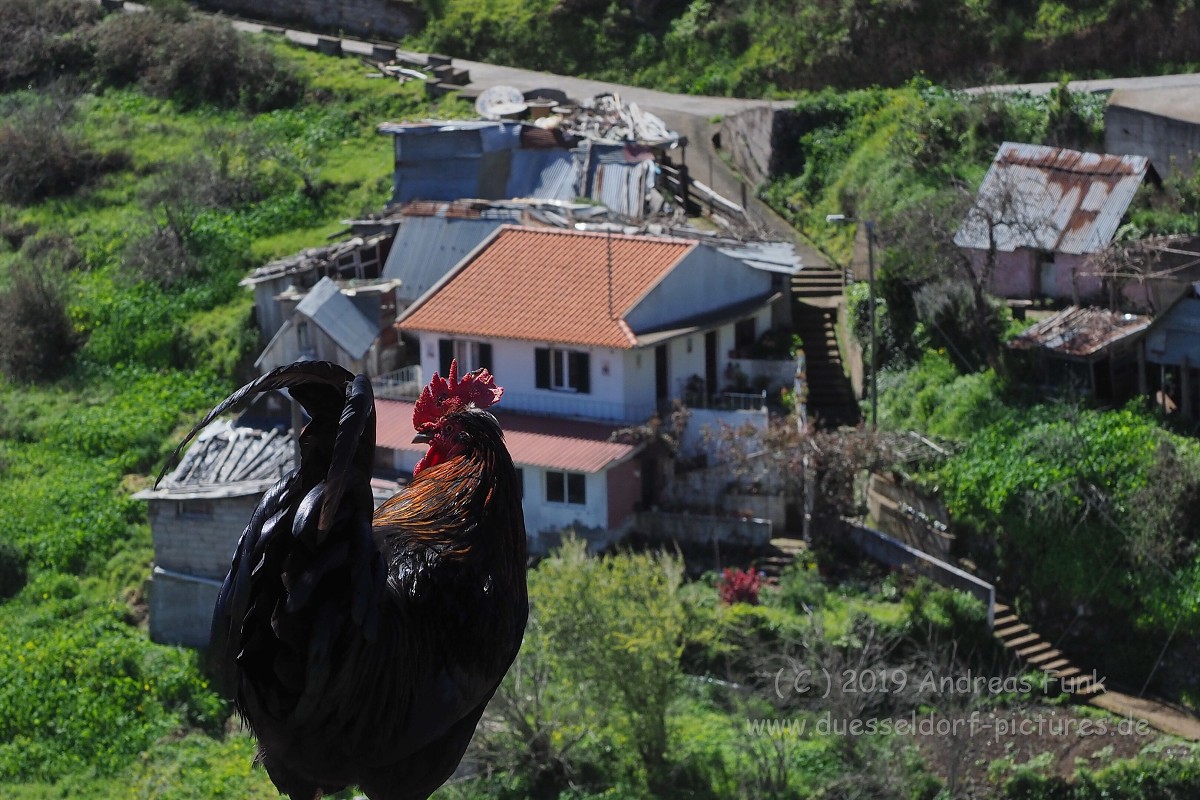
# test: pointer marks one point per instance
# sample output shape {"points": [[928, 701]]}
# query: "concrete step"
{"points": [[1021, 641], [1002, 621], [1011, 630], [1057, 663], [1045, 656], [1032, 650]]}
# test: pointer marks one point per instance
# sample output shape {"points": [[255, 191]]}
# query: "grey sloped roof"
{"points": [[337, 316], [227, 461], [1052, 199]]}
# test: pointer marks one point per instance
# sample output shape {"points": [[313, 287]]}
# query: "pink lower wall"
{"points": [[624, 492]]}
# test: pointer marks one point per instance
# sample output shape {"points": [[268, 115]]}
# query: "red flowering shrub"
{"points": [[739, 586]]}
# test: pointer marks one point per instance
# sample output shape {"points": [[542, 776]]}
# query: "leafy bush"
{"points": [[13, 572], [42, 40], [194, 60], [590, 691], [83, 689], [36, 335], [40, 156], [739, 586]]}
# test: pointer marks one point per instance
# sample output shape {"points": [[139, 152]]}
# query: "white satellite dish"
{"points": [[500, 101]]}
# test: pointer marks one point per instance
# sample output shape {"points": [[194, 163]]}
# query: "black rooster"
{"points": [[362, 648]]}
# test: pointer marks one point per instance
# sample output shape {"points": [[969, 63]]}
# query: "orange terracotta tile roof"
{"points": [[549, 286], [562, 444]]}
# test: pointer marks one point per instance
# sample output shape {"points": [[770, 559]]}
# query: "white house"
{"points": [[572, 475], [599, 326], [587, 332]]}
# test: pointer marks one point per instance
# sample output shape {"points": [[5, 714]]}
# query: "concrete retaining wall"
{"points": [[368, 19], [700, 529], [894, 553]]}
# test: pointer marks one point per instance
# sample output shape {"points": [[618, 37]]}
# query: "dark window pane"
{"points": [[541, 362], [555, 491], [575, 488]]}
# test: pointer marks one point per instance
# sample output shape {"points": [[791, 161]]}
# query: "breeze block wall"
{"points": [[192, 553]]}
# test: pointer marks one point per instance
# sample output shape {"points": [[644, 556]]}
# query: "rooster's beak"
{"points": [[423, 437]]}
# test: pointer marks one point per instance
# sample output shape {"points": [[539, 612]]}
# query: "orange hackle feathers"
{"points": [[446, 395]]}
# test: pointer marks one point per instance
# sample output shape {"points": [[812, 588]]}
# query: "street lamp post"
{"points": [[874, 364]]}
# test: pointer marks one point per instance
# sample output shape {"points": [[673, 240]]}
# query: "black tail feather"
{"points": [[290, 376]]}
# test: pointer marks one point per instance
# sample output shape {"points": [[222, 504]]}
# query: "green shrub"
{"points": [[41, 156], [84, 690], [36, 335], [194, 60], [41, 39], [13, 572]]}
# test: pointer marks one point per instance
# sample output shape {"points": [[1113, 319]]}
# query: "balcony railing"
{"points": [[401, 384]]}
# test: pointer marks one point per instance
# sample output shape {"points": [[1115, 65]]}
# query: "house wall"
{"points": [[285, 349], [181, 608], [705, 281], [199, 545], [544, 520], [608, 398], [624, 492], [192, 555], [1017, 276]]}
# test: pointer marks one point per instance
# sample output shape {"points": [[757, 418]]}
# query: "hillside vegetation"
{"points": [[146, 163], [1085, 517], [762, 47]]}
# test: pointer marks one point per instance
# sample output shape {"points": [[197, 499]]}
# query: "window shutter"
{"points": [[541, 357], [581, 378], [485, 356], [445, 355]]}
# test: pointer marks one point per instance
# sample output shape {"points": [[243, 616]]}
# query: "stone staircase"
{"points": [[831, 400], [1036, 652], [776, 557], [817, 282]]}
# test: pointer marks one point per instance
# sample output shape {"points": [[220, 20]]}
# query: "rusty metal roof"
{"points": [[1080, 332], [571, 445], [1051, 199]]}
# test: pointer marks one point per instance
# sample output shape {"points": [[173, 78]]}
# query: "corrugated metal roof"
{"points": [[337, 316], [544, 174], [1052, 199], [327, 257], [544, 442], [770, 256], [514, 288], [426, 248], [623, 187], [1080, 332], [226, 461]]}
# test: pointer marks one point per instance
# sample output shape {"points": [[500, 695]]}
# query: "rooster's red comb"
{"points": [[446, 395]]}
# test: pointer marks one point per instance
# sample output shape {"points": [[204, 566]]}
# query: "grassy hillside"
{"points": [[762, 47], [145, 164], [156, 160]]}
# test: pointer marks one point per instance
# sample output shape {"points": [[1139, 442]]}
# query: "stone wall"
{"points": [[389, 20], [762, 142], [692, 529]]}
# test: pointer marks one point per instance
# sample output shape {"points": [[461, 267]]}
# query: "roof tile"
{"points": [[517, 287], [562, 444]]}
